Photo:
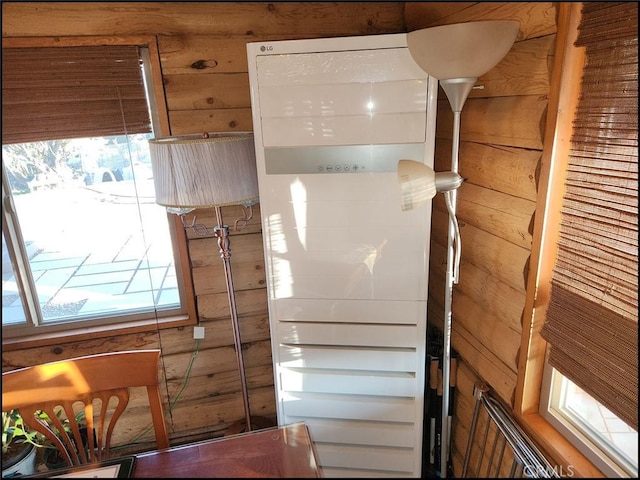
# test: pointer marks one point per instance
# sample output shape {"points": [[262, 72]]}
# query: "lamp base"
{"points": [[257, 423]]}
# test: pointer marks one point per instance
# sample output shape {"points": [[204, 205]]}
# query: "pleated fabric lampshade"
{"points": [[210, 170]]}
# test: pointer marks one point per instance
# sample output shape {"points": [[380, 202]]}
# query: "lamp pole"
{"points": [[448, 302], [457, 91], [221, 231]]}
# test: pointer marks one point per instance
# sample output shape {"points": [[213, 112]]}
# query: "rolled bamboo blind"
{"points": [[54, 93], [592, 319]]}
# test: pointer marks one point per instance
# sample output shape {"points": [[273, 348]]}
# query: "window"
{"points": [[590, 392], [85, 246], [599, 434]]}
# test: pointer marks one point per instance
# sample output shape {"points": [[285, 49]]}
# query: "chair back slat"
{"points": [[94, 389]]}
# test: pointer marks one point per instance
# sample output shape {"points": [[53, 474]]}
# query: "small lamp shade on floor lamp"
{"points": [[419, 183], [456, 55], [204, 171]]}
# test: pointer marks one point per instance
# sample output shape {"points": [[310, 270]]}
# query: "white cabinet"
{"points": [[347, 270]]}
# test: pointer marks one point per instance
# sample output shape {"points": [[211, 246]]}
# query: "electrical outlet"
{"points": [[198, 333]]}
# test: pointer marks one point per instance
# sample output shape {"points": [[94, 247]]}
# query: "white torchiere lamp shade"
{"points": [[462, 49], [459, 53], [205, 171]]}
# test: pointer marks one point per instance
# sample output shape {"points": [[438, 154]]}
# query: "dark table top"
{"points": [[279, 452]]}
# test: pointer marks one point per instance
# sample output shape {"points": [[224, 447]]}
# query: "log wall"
{"points": [[202, 48]]}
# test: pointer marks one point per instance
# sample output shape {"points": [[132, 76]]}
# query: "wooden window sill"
{"points": [[566, 459], [93, 332]]}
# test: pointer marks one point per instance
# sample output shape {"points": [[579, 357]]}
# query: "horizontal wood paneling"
{"points": [[186, 122], [525, 70], [200, 92], [242, 248], [230, 213], [503, 215], [204, 387], [206, 54], [515, 121], [246, 275], [492, 295], [217, 413], [512, 171], [218, 333], [213, 360], [216, 305], [488, 365], [320, 19], [536, 19], [487, 251], [33, 356], [488, 329], [473, 354]]}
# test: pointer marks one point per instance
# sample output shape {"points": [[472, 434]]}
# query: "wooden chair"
{"points": [[97, 385]]}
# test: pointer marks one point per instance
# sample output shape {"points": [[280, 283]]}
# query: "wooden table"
{"points": [[278, 452]]}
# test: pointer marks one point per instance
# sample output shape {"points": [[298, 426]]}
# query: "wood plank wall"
{"points": [[502, 128], [203, 57]]}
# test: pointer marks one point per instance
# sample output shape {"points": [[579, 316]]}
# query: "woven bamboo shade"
{"points": [[57, 93], [592, 319]]}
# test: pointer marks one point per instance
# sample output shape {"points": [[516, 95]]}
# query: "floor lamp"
{"points": [[210, 170], [456, 55]]}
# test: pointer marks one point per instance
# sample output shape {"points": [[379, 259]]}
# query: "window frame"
{"points": [[564, 94], [160, 120], [602, 456]]}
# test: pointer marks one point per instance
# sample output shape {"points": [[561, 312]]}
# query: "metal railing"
{"points": [[503, 450]]}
